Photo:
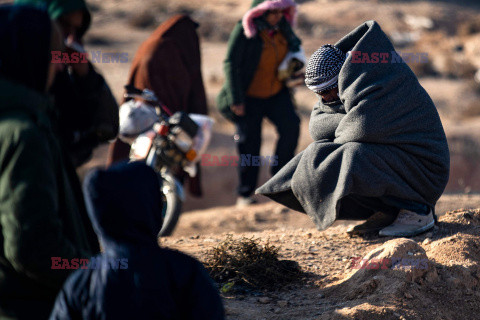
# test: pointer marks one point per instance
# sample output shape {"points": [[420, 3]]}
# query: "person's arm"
{"points": [[294, 43], [94, 91], [29, 209], [233, 81], [323, 125]]}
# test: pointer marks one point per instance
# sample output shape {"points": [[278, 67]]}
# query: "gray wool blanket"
{"points": [[384, 138]]}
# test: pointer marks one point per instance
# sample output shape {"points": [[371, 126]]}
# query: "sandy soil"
{"points": [[448, 287]]}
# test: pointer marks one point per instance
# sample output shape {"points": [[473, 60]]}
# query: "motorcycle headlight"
{"points": [[141, 146]]}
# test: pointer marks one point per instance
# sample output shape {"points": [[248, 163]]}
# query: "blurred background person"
{"points": [[41, 205], [253, 90], [88, 112], [169, 64]]}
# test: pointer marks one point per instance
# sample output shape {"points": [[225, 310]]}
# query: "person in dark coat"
{"points": [[134, 278], [379, 153], [88, 112], [169, 64], [42, 211], [253, 89]]}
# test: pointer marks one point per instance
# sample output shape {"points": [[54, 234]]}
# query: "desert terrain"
{"points": [[449, 287]]}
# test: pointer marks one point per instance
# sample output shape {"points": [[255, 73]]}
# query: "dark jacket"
{"points": [[42, 213], [169, 64], [143, 281], [241, 62], [87, 110]]}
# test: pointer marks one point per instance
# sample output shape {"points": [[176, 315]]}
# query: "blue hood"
{"points": [[124, 203]]}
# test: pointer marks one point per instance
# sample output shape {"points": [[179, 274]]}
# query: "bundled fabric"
{"points": [[384, 138], [134, 278]]}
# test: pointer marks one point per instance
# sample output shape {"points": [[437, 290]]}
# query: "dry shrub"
{"points": [[244, 262]]}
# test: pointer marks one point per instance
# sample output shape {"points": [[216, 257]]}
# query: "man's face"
{"points": [[273, 17], [330, 95], [70, 23]]}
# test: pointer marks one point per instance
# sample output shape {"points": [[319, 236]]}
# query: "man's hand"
{"points": [[80, 69], [238, 109]]}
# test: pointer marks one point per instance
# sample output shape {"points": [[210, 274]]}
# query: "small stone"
{"points": [[427, 241], [309, 235], [277, 310], [408, 295], [410, 253], [429, 235], [320, 296], [264, 300], [282, 303]]}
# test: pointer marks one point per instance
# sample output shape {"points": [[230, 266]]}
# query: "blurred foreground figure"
{"points": [[88, 113], [134, 278], [42, 212], [380, 151], [169, 64]]}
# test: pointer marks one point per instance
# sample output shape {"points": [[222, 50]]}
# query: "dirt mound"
{"points": [[423, 280], [384, 271]]}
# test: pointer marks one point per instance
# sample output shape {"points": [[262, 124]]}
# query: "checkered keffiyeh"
{"points": [[323, 68]]}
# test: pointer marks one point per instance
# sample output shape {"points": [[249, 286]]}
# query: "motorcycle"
{"points": [[167, 142]]}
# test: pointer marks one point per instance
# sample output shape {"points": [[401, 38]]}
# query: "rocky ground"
{"points": [[446, 285]]}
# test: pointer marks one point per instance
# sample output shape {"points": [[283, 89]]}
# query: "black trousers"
{"points": [[280, 111], [354, 207]]}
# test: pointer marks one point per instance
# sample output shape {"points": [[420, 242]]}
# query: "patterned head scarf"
{"points": [[323, 68]]}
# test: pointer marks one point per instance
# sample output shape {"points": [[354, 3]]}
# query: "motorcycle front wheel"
{"points": [[172, 196]]}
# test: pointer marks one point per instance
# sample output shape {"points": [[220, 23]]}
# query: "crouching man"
{"points": [[380, 151]]}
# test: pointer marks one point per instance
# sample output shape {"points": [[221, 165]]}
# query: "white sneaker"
{"points": [[408, 224], [245, 201]]}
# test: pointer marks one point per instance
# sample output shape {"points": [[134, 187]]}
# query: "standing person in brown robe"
{"points": [[169, 64]]}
